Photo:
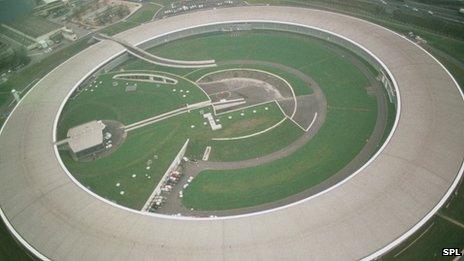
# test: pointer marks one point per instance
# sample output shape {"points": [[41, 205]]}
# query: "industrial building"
{"points": [[86, 139]]}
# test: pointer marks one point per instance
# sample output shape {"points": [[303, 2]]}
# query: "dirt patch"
{"points": [[274, 82], [255, 87]]}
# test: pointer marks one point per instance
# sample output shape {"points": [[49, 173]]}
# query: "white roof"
{"points": [[85, 136]]}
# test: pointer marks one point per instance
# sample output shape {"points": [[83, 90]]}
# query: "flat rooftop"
{"points": [[86, 136]]}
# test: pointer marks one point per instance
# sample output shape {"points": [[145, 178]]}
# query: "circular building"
{"points": [[361, 216]]}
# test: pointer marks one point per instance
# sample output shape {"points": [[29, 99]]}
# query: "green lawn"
{"points": [[163, 139], [114, 103], [240, 149], [108, 102], [131, 158], [143, 15], [259, 145], [299, 86], [427, 243], [102, 100], [265, 116], [289, 49], [350, 120], [256, 146], [331, 149]]}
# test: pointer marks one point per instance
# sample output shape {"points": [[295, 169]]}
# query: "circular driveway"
{"points": [[361, 217]]}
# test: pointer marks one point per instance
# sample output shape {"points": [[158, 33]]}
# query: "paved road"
{"points": [[364, 216], [154, 59]]}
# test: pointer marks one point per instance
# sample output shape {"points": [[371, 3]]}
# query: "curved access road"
{"points": [[154, 59], [361, 217]]}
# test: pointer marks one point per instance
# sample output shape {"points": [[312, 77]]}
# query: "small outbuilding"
{"points": [[86, 139]]}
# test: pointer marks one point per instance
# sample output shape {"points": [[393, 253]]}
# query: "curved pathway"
{"points": [[151, 58]]}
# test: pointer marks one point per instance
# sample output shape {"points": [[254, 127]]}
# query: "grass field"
{"points": [[131, 158], [143, 15], [273, 140], [251, 119], [250, 45], [350, 119], [114, 103], [250, 123], [299, 86], [163, 139], [236, 150], [99, 99], [331, 149]]}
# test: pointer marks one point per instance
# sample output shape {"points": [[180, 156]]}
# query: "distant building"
{"points": [[69, 34], [86, 139], [31, 31]]}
